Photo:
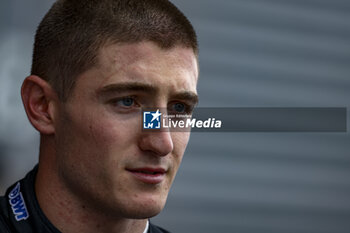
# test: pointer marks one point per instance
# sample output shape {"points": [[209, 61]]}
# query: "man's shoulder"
{"points": [[156, 229]]}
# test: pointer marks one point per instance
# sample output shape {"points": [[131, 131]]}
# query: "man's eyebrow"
{"points": [[144, 87], [126, 87], [188, 96]]}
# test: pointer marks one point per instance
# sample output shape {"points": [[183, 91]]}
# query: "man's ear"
{"points": [[39, 102]]}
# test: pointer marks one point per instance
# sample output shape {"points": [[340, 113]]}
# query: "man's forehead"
{"points": [[119, 55]]}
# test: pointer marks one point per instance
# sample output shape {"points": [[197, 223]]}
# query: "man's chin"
{"points": [[143, 206], [141, 212], [145, 215]]}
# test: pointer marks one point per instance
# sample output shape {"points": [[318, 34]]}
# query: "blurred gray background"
{"points": [[253, 53]]}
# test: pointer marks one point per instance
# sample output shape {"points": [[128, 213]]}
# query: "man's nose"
{"points": [[159, 143]]}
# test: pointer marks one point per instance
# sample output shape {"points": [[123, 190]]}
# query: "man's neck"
{"points": [[68, 214]]}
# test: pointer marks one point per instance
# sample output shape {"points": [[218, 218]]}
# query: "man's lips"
{"points": [[148, 175]]}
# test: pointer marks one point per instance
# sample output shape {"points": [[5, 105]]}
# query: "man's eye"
{"points": [[179, 107], [126, 102]]}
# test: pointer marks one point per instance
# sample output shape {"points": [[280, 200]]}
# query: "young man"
{"points": [[96, 64]]}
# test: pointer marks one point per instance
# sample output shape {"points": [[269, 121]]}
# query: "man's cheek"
{"points": [[104, 133], [180, 140]]}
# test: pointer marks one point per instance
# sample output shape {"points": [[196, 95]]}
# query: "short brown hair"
{"points": [[72, 32]]}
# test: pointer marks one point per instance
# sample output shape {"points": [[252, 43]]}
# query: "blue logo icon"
{"points": [[17, 203], [151, 120]]}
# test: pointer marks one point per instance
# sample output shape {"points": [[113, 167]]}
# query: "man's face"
{"points": [[103, 156]]}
